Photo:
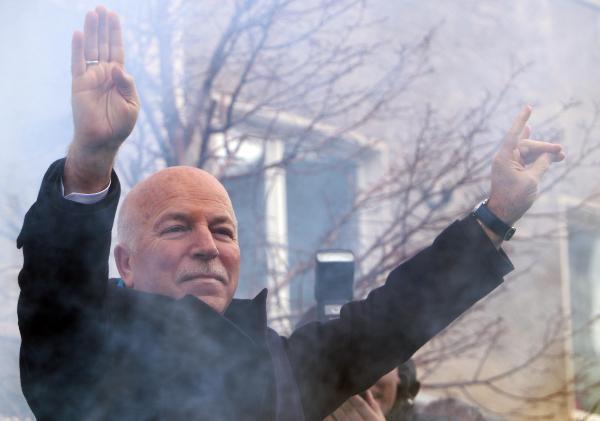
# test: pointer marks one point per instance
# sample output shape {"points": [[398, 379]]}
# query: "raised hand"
{"points": [[104, 100], [517, 169]]}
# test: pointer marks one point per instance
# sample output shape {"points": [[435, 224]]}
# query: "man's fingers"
{"points": [[530, 149], [90, 36], [103, 54], [514, 134], [557, 157], [541, 165], [77, 58], [520, 122], [358, 403], [345, 412], [116, 50], [526, 132], [371, 400], [364, 409]]}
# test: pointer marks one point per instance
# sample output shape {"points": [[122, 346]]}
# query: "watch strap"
{"points": [[495, 224]]}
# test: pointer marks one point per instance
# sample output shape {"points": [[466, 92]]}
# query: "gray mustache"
{"points": [[211, 269]]}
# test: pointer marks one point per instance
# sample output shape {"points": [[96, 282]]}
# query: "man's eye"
{"points": [[174, 229], [224, 231]]}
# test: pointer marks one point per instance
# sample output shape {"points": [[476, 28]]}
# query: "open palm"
{"points": [[104, 99]]}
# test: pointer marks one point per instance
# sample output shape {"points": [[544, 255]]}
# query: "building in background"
{"points": [[581, 301], [286, 212], [509, 355]]}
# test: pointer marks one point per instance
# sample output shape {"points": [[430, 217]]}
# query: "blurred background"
{"points": [[359, 124]]}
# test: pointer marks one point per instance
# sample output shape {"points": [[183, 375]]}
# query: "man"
{"points": [[172, 344]]}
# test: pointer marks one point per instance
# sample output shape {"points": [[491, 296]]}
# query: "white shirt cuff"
{"points": [[85, 198]]}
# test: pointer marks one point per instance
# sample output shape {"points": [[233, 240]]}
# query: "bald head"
{"points": [[178, 236], [139, 204]]}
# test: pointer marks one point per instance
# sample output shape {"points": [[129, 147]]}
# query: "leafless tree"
{"points": [[219, 80], [211, 74], [475, 340]]}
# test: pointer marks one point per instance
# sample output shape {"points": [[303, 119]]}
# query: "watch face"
{"points": [[509, 234]]}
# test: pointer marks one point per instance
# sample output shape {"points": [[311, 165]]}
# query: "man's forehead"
{"points": [[183, 178], [184, 175], [180, 186]]}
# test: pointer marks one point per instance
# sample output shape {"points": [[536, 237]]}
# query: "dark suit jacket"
{"points": [[91, 350]]}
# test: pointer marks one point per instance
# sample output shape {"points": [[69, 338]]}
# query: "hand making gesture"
{"points": [[104, 100], [517, 170]]}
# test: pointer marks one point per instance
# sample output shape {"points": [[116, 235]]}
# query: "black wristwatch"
{"points": [[495, 224]]}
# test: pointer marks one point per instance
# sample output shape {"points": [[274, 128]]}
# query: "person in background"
{"points": [[391, 398], [402, 408]]}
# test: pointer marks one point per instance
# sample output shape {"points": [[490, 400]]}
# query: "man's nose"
{"points": [[204, 246]]}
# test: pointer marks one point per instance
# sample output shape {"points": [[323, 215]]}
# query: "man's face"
{"points": [[186, 239], [385, 390]]}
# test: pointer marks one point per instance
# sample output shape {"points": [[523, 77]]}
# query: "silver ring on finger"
{"points": [[91, 62]]}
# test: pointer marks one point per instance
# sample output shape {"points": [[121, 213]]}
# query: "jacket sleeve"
{"points": [[63, 282], [334, 360]]}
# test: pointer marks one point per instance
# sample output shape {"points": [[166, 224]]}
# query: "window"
{"points": [[583, 292]]}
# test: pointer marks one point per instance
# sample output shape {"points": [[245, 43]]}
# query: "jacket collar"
{"points": [[250, 315]]}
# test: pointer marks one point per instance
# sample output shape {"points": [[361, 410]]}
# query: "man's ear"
{"points": [[123, 260]]}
